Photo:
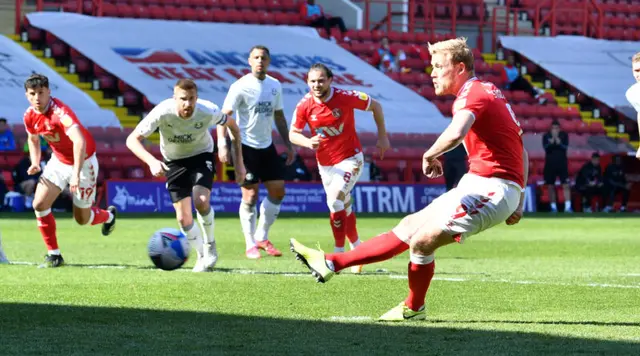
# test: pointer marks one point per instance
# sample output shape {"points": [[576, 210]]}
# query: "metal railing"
{"points": [[545, 18]]}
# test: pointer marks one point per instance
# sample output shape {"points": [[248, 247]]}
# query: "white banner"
{"points": [[17, 64], [599, 68], [150, 55]]}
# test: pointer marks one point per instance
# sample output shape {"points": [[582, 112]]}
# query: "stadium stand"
{"points": [[610, 19]]}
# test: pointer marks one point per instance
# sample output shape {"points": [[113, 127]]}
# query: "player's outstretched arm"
{"points": [[79, 152], [35, 153], [236, 149], [299, 139], [283, 130], [383, 143], [134, 144], [517, 215], [221, 138]]}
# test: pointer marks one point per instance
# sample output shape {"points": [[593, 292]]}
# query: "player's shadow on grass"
{"points": [[66, 330]]}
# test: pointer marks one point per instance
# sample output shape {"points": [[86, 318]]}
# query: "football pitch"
{"points": [[550, 285]]}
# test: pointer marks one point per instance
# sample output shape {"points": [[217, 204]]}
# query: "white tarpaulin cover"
{"points": [[17, 64], [599, 68], [150, 55]]}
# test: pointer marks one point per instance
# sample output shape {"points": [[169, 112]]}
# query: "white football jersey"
{"points": [[633, 96], [182, 138], [254, 102]]}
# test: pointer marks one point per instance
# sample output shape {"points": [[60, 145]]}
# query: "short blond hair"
{"points": [[457, 49], [635, 58]]}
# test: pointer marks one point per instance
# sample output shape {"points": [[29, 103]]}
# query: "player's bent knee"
{"points": [[428, 241], [39, 205], [202, 203], [278, 195], [185, 220], [250, 195], [81, 215]]}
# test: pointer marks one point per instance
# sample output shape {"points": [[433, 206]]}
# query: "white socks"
{"points": [[195, 238], [206, 224], [248, 222], [269, 210], [422, 260]]}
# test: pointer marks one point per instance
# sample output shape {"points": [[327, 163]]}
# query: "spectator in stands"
{"points": [[375, 175], [25, 184], [297, 171], [556, 165], [3, 191], [514, 81], [7, 141], [455, 166], [615, 182], [387, 59], [315, 17], [589, 182]]}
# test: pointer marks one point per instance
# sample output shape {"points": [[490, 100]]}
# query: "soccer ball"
{"points": [[168, 249]]}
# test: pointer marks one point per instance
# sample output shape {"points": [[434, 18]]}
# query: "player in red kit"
{"points": [[329, 113], [72, 164], [491, 193]]}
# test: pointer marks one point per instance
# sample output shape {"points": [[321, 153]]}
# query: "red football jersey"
{"points": [[334, 121], [494, 142], [53, 125]]}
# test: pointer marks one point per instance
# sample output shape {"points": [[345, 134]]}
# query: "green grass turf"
{"points": [[545, 286]]}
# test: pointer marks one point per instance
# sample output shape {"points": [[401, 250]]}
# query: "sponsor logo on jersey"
{"points": [[186, 138], [328, 131], [264, 107]]}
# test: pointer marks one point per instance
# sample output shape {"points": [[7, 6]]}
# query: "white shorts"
{"points": [[476, 204], [60, 174], [342, 177]]}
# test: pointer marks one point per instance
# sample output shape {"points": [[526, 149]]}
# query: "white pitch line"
{"points": [[350, 318], [392, 276]]}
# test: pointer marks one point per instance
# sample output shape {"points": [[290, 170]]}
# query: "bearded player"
{"points": [[329, 113], [186, 146], [491, 193], [72, 164]]}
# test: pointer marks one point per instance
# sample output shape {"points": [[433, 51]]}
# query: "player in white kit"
{"points": [[186, 145], [3, 256], [257, 100], [633, 93]]}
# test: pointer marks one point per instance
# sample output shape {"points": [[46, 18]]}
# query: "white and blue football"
{"points": [[168, 249]]}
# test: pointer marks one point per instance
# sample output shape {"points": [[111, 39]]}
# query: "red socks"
{"points": [[419, 279], [47, 227], [99, 216], [352, 230], [338, 226], [379, 248]]}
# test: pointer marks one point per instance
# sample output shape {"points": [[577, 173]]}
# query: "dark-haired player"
{"points": [[329, 113], [186, 146], [72, 164], [256, 98]]}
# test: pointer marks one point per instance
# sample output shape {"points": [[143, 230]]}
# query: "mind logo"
{"points": [[123, 199]]}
